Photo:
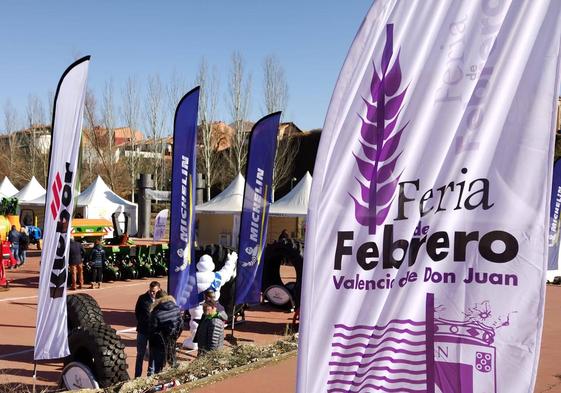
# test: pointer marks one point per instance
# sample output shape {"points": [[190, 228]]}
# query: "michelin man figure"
{"points": [[208, 279]]}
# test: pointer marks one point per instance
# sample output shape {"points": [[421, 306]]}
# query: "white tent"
{"points": [[229, 201], [40, 201], [226, 208], [295, 203], [7, 189], [31, 191], [99, 201]]}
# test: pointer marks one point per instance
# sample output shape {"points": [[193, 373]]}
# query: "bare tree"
{"points": [[90, 143], [239, 100], [176, 89], [108, 118], [275, 87], [50, 104], [275, 91], [208, 103], [43, 151], [131, 116], [155, 125], [97, 151], [10, 128], [35, 118]]}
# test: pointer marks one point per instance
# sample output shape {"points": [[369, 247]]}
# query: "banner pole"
{"points": [[234, 306], [34, 374], [233, 320]]}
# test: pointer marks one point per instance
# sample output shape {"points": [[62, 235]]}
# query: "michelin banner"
{"points": [[182, 272], [255, 210], [554, 212], [51, 335], [427, 233]]}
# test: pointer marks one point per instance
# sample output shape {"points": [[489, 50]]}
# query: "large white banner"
{"points": [[160, 224], [51, 337], [427, 232]]}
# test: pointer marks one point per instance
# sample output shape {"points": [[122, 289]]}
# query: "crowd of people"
{"points": [[19, 243], [160, 323], [96, 260]]}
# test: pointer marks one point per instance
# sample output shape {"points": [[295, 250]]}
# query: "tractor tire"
{"points": [[101, 349], [145, 270], [288, 252], [160, 270], [127, 272], [83, 311], [111, 273]]}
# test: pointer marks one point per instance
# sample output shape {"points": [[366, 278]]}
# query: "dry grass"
{"points": [[18, 387]]}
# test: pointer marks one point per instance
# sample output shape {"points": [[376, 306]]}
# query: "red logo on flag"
{"points": [[56, 189]]}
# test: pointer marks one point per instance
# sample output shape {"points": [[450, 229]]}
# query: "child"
{"points": [[97, 260], [210, 333]]}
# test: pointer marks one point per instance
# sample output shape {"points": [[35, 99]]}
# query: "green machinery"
{"points": [[136, 261]]}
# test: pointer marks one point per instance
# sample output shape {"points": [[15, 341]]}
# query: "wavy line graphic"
{"points": [[379, 378], [379, 141], [383, 358], [372, 354], [388, 339], [374, 337], [378, 388], [375, 368], [370, 327]]}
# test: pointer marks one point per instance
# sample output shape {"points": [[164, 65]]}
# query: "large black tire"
{"points": [[101, 349], [286, 251], [83, 310]]}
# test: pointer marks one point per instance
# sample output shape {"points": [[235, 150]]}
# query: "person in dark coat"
{"points": [[166, 325], [75, 261], [23, 245], [210, 333], [284, 235], [142, 314], [13, 238], [97, 260]]}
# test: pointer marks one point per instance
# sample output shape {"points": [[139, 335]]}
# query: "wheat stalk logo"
{"points": [[379, 141]]}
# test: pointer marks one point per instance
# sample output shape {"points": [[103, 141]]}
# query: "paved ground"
{"points": [[276, 378], [17, 329]]}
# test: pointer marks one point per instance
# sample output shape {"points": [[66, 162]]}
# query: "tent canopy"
{"points": [[295, 203], [31, 191], [7, 189], [228, 201], [100, 202]]}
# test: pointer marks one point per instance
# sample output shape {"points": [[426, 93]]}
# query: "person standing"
{"points": [[284, 235], [13, 238], [23, 245], [97, 258], [75, 261], [142, 314], [210, 333], [166, 324]]}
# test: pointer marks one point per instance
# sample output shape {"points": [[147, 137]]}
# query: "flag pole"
{"points": [[34, 374], [235, 278]]}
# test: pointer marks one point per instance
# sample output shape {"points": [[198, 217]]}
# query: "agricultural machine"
{"points": [[125, 259]]}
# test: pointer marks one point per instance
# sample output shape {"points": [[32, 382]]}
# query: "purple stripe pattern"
{"points": [[380, 358]]}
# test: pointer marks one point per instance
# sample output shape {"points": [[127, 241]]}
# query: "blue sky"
{"points": [[141, 38]]}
